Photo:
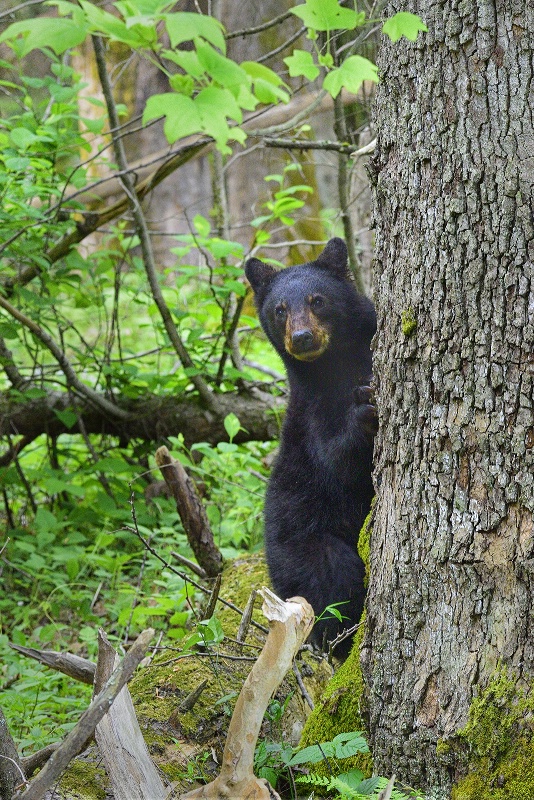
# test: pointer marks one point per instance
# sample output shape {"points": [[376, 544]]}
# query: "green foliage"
{"points": [[211, 91], [273, 760], [232, 478], [352, 786], [327, 15], [283, 203], [350, 75], [403, 24]]}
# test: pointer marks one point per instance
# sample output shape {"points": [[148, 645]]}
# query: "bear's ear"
{"points": [[259, 274], [334, 258]]}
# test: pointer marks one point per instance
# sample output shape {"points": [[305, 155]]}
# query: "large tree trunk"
{"points": [[451, 586]]}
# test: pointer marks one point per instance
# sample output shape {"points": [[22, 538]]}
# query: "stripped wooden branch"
{"points": [[11, 774], [214, 596], [244, 625], [289, 624]]}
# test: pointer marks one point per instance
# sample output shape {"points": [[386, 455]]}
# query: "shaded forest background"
{"points": [[112, 345]]}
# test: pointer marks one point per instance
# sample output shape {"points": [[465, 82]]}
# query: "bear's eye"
{"points": [[317, 302], [280, 311]]}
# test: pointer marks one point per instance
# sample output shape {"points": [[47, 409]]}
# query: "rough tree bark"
{"points": [[452, 549]]}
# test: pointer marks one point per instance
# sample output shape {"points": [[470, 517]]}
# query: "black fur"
{"points": [[320, 489]]}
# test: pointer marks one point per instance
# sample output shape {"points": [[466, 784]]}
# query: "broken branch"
{"points": [[80, 735], [289, 624], [191, 511]]}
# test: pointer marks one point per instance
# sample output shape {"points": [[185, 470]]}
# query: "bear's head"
{"points": [[302, 308]]}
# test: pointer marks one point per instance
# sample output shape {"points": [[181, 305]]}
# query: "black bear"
{"points": [[320, 488]]}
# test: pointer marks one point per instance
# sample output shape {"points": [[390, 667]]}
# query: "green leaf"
{"points": [[232, 425], [185, 26], [226, 447], [183, 84], [367, 786], [326, 60], [68, 418], [54, 486], [221, 69], [353, 779], [8, 331], [348, 744], [57, 33], [403, 24], [269, 774], [214, 104], [302, 63], [181, 115], [350, 75], [187, 60], [109, 25], [202, 225], [22, 137], [45, 521], [34, 393], [132, 8], [328, 15], [268, 86], [312, 754]]}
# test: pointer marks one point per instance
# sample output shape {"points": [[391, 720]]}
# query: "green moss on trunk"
{"points": [[338, 710], [498, 743]]}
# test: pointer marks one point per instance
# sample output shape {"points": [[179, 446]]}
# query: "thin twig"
{"points": [[192, 565], [345, 634], [259, 28], [214, 596], [188, 578], [245, 619], [128, 183], [72, 379], [303, 690], [303, 144]]}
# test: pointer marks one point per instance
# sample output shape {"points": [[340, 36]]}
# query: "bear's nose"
{"points": [[302, 341]]}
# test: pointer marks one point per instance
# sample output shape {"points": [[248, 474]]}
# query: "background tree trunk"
{"points": [[452, 549]]}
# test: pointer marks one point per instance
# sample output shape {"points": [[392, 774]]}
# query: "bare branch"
{"points": [[192, 565], [259, 28], [11, 773], [128, 183], [304, 144], [189, 579], [81, 669], [289, 625]]}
